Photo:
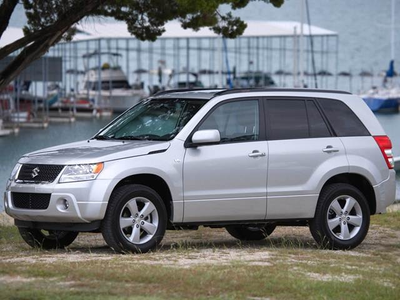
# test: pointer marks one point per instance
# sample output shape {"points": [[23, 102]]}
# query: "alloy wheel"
{"points": [[344, 217], [139, 220]]}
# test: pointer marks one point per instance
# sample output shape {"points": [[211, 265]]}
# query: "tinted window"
{"points": [[236, 121], [342, 119], [287, 119], [318, 127]]}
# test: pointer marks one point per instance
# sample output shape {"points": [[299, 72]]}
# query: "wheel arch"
{"points": [[360, 182], [154, 182]]}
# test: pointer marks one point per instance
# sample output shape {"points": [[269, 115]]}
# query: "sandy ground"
{"points": [[203, 247], [184, 249], [5, 220]]}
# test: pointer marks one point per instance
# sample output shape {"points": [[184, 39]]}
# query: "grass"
{"points": [[391, 220], [207, 264]]}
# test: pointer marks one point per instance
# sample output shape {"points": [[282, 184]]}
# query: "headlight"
{"points": [[81, 172], [15, 171]]}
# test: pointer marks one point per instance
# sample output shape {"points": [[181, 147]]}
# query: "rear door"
{"points": [[303, 152]]}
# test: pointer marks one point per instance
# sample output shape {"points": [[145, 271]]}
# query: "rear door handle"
{"points": [[256, 153], [330, 149]]}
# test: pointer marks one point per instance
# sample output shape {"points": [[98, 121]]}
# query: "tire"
{"points": [[328, 227], [135, 221], [51, 239], [248, 233]]}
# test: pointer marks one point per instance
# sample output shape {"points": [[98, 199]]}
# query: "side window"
{"points": [[236, 121], [342, 119], [287, 119], [318, 127]]}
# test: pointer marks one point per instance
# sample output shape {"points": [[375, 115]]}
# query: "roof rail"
{"points": [[188, 90], [246, 90]]}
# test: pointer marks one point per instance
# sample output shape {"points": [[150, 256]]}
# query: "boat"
{"points": [[387, 97], [4, 132], [382, 100], [255, 79], [105, 87]]}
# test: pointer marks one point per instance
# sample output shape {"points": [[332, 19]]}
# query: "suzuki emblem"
{"points": [[35, 172]]}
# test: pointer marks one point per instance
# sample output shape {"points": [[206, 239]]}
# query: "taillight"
{"points": [[385, 145]]}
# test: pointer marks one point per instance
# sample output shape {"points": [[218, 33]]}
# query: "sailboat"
{"points": [[387, 97]]}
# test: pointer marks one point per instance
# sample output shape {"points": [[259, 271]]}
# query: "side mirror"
{"points": [[205, 137]]}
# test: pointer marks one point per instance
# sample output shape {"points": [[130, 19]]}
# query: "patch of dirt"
{"points": [[55, 258], [212, 257], [14, 279], [6, 220], [328, 277]]}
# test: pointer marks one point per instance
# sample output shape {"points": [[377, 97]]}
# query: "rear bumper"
{"points": [[385, 192]]}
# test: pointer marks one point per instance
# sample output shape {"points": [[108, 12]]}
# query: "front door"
{"points": [[227, 181]]}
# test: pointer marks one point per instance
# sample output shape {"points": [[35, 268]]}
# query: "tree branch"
{"points": [[40, 42], [73, 16]]}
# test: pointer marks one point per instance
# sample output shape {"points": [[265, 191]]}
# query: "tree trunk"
{"points": [[6, 10], [41, 41]]}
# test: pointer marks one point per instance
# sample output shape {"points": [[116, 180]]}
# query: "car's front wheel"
{"points": [[136, 219], [342, 217], [51, 239], [251, 233]]}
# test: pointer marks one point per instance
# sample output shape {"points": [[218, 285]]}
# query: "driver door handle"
{"points": [[256, 153], [330, 149]]}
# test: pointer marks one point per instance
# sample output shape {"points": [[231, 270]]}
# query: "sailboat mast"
{"points": [[301, 58], [392, 33]]}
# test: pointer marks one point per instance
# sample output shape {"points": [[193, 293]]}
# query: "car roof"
{"points": [[207, 94]]}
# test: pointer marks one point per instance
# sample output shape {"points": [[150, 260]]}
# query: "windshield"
{"points": [[158, 120]]}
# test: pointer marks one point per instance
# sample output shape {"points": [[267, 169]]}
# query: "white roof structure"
{"points": [[174, 30], [89, 31]]}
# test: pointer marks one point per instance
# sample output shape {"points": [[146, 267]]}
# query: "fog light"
{"points": [[62, 204], [66, 204]]}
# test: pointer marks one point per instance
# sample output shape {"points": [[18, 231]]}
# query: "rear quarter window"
{"points": [[342, 119]]}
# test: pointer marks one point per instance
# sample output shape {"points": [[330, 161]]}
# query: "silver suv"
{"points": [[246, 160]]}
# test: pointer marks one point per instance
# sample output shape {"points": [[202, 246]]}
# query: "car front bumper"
{"points": [[86, 201]]}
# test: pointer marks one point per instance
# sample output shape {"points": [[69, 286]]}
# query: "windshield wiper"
{"points": [[129, 137], [103, 137]]}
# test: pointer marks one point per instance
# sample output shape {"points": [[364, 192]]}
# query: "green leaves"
{"points": [[146, 18]]}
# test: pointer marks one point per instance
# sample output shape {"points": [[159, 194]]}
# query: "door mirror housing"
{"points": [[206, 137]]}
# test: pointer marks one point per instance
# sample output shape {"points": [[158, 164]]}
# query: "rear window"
{"points": [[287, 119], [292, 119], [342, 118]]}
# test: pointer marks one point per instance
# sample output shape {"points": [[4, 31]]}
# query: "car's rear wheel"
{"points": [[47, 239], [251, 233], [136, 219], [342, 217]]}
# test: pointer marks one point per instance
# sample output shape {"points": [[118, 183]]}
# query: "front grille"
{"points": [[39, 173], [31, 200]]}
